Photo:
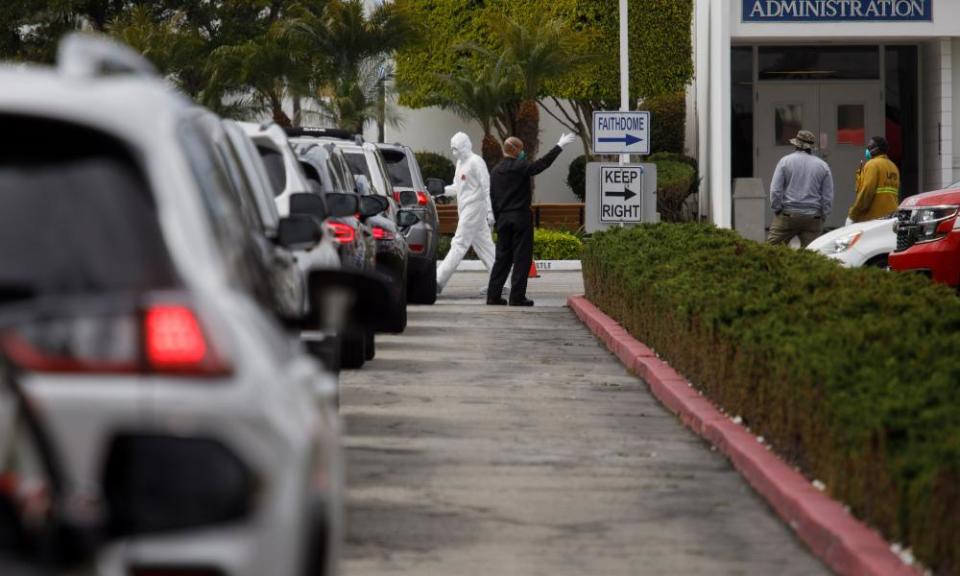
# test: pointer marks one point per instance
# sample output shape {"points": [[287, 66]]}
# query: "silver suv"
{"points": [[131, 305], [423, 238]]}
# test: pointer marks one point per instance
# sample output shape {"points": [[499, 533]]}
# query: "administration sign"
{"points": [[621, 133]]}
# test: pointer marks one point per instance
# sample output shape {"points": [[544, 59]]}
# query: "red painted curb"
{"points": [[845, 544]]}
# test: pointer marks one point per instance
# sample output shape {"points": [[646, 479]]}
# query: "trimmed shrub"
{"points": [[675, 181], [577, 177], [851, 374], [668, 121], [433, 165], [556, 245], [547, 245]]}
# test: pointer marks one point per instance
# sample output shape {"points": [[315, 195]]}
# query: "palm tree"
{"points": [[540, 52], [259, 73], [353, 48], [485, 94], [352, 102]]}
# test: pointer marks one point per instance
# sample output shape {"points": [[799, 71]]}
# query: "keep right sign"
{"points": [[621, 194]]}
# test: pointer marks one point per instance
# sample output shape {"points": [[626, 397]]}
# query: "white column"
{"points": [[721, 200], [701, 47]]}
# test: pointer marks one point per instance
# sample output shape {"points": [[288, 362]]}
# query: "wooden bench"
{"points": [[568, 217]]}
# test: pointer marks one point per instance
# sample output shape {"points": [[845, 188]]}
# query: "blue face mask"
{"points": [[866, 154], [522, 155]]}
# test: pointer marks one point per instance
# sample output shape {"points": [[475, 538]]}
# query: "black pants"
{"points": [[514, 248]]}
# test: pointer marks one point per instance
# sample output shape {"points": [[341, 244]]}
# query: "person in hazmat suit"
{"points": [[471, 186]]}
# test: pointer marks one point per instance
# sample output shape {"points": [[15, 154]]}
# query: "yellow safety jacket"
{"points": [[878, 190]]}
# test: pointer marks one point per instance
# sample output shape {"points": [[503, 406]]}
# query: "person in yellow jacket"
{"points": [[878, 184]]}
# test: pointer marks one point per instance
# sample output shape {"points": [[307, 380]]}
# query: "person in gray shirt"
{"points": [[801, 193]]}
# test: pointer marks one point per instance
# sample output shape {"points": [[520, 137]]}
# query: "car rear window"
{"points": [[276, 171], [397, 167], [358, 164], [75, 219]]}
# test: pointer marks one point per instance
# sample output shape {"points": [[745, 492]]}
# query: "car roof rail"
{"points": [[338, 133], [85, 55]]}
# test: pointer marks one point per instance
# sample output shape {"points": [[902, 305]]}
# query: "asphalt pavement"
{"points": [[509, 441]]}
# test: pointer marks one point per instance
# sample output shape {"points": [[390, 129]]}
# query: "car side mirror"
{"points": [[373, 205], [435, 187], [407, 218], [340, 205], [363, 185], [308, 204], [299, 231]]}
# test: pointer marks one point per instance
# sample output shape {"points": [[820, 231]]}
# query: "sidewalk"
{"points": [[509, 441]]}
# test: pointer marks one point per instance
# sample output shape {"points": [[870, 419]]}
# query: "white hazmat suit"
{"points": [[471, 186]]}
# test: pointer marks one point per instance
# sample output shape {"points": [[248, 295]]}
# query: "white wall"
{"points": [[430, 129], [936, 127], [955, 60]]}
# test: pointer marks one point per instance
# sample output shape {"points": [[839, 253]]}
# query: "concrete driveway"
{"points": [[507, 441]]}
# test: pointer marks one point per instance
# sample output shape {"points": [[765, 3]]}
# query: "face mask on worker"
{"points": [[867, 154], [522, 155], [460, 146]]}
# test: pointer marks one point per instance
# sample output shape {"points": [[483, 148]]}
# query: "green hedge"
{"points": [[556, 245], [852, 374], [668, 121], [433, 165], [547, 245], [675, 182], [577, 177]]}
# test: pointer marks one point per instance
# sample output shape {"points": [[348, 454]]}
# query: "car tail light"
{"points": [[175, 342], [382, 234], [342, 233], [157, 339], [416, 247], [422, 198], [398, 196]]}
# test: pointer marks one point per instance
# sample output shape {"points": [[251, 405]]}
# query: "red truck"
{"points": [[928, 236]]}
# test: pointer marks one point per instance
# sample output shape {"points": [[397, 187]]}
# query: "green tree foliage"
{"points": [[660, 50], [433, 165]]}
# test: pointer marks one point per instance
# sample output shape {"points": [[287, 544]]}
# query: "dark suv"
{"points": [[423, 238]]}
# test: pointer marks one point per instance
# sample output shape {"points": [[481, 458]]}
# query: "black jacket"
{"points": [[510, 182]]}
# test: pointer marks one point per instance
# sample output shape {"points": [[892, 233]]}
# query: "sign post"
{"points": [[624, 71]]}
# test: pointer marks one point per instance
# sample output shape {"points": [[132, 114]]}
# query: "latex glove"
{"points": [[566, 139], [848, 222]]}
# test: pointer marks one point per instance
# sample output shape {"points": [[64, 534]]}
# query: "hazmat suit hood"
{"points": [[461, 146]]}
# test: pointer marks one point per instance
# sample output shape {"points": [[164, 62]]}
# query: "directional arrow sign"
{"points": [[621, 133], [626, 194], [628, 140], [620, 203]]}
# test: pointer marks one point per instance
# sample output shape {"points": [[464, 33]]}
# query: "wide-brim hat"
{"points": [[805, 139]]}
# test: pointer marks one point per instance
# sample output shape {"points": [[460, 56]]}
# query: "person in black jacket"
{"points": [[511, 198]]}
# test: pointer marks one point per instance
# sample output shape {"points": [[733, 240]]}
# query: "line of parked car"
{"points": [[922, 237], [178, 293]]}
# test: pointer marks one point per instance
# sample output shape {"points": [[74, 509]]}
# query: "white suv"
{"points": [[130, 303]]}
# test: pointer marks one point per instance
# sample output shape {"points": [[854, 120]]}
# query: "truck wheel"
{"points": [[880, 261], [353, 349], [370, 345], [423, 286]]}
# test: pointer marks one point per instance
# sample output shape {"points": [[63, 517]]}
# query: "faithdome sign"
{"points": [[837, 10]]}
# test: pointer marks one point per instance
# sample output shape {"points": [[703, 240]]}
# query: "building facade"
{"points": [[843, 69]]}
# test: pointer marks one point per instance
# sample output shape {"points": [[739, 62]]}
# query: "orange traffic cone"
{"points": [[533, 270]]}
